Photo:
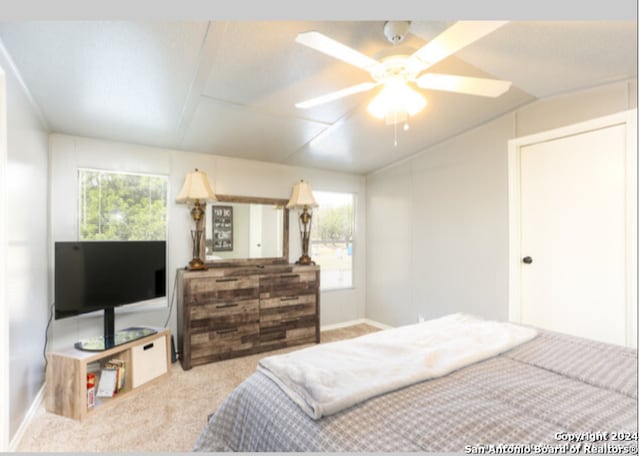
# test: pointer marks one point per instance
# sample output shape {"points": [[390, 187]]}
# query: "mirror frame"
{"points": [[244, 261]]}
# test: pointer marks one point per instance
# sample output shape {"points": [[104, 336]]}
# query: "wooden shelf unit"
{"points": [[66, 376]]}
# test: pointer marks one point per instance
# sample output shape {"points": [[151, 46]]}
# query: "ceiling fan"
{"points": [[399, 66]]}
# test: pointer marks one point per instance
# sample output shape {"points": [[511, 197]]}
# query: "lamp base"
{"points": [[197, 265], [305, 260]]}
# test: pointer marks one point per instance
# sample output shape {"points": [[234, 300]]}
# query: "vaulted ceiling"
{"points": [[229, 88]]}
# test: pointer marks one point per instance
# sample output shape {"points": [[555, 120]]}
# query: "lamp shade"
{"points": [[395, 101], [301, 196], [196, 187]]}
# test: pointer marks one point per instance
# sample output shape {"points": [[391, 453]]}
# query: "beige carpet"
{"points": [[164, 416]]}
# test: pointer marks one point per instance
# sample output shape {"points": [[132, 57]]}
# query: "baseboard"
{"points": [[17, 438], [359, 321], [377, 324]]}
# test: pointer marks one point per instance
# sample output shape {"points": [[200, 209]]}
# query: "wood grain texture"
{"points": [[286, 301], [64, 393], [224, 314], [228, 340], [246, 309]]}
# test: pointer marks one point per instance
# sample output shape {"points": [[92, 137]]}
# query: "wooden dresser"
{"points": [[228, 312]]}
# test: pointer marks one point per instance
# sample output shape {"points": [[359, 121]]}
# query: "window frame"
{"points": [[128, 173]]}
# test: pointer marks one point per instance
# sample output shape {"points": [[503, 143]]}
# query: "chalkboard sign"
{"points": [[222, 228]]}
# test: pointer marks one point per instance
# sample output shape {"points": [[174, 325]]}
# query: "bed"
{"points": [[551, 394]]}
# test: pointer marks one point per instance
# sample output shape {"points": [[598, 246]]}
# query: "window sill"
{"points": [[323, 290]]}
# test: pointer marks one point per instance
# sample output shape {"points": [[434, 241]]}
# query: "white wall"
{"points": [[446, 210], [4, 313], [229, 176], [27, 247]]}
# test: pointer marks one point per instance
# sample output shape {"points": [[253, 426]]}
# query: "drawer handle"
{"points": [[222, 306], [290, 298], [290, 276], [148, 346], [231, 279], [286, 310], [227, 331]]}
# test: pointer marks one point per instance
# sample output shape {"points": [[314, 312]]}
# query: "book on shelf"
{"points": [[119, 366], [107, 383], [112, 378]]}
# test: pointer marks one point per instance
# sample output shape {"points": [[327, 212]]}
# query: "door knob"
{"points": [[527, 260]]}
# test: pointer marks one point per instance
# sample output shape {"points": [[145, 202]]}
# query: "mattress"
{"points": [[553, 394]]}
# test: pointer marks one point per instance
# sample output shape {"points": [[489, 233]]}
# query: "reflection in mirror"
{"points": [[246, 228]]}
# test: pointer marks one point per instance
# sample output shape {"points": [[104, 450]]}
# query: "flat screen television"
{"points": [[95, 276]]}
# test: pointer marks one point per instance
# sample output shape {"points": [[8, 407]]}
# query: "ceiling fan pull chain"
{"points": [[395, 134]]}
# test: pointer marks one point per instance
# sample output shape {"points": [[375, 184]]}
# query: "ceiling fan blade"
{"points": [[326, 45], [453, 39], [335, 95], [463, 84]]}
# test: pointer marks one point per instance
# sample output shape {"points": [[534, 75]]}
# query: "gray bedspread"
{"points": [[549, 393]]}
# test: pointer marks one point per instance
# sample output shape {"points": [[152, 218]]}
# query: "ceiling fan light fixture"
{"points": [[396, 67], [395, 102]]}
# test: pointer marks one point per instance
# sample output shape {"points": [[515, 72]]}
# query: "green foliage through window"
{"points": [[334, 223], [121, 206], [332, 239]]}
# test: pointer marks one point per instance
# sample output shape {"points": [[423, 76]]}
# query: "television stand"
{"points": [[102, 343], [146, 361]]}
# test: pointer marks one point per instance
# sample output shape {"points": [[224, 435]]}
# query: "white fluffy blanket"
{"points": [[327, 378]]}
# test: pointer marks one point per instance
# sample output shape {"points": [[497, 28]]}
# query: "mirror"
{"points": [[246, 228]]}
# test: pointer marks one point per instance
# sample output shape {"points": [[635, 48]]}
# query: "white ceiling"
{"points": [[229, 88]]}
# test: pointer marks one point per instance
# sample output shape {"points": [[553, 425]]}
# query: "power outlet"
{"points": [[420, 318]]}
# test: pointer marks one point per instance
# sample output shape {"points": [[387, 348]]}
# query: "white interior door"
{"points": [[574, 253], [255, 231], [270, 232]]}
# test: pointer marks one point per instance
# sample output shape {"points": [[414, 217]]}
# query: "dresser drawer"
{"points": [[288, 333], [277, 311], [287, 301], [288, 284], [209, 345], [224, 314], [222, 289]]}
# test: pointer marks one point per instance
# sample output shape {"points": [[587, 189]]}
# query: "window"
{"points": [[332, 239], [116, 206]]}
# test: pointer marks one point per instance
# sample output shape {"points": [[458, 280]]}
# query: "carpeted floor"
{"points": [[165, 416]]}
